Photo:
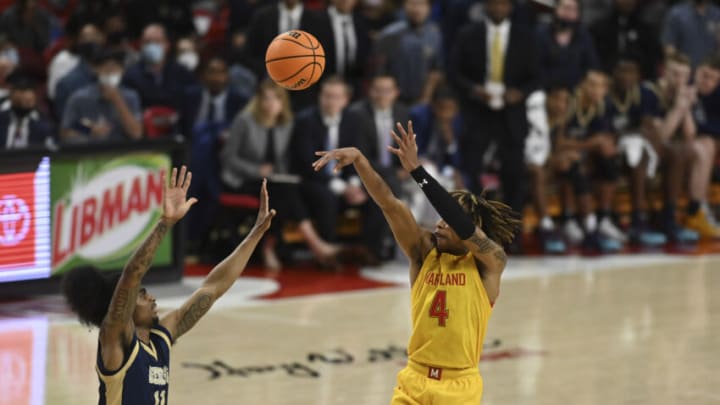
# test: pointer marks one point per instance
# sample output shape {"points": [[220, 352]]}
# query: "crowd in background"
{"points": [[511, 96]]}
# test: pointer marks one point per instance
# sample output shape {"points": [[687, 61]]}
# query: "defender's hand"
{"points": [[343, 156], [265, 214], [407, 150], [175, 205]]}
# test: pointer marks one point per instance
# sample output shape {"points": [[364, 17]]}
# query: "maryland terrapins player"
{"points": [[454, 273]]}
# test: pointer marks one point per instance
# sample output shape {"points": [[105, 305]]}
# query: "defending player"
{"points": [[454, 273], [133, 355]]}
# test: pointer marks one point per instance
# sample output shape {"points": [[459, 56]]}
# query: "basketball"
{"points": [[295, 60]]}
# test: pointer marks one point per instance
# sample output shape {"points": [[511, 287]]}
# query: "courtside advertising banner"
{"points": [[25, 222], [103, 207]]}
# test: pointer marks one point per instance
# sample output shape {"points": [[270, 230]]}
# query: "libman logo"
{"points": [[109, 208]]}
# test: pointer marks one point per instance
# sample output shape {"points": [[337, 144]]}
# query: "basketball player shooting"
{"points": [[454, 275], [133, 355]]}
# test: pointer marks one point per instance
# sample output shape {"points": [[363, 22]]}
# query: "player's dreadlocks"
{"points": [[499, 222]]}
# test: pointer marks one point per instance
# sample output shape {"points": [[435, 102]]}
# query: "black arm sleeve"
{"points": [[446, 206]]}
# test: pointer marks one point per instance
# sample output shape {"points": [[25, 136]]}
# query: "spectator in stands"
{"points": [[693, 29], [494, 68], [258, 148], [676, 99], [215, 102], [438, 127], [63, 61], [587, 140], [9, 61], [21, 124], [186, 53], [89, 42], [326, 193], [411, 51], [378, 14], [623, 31], [158, 80], [28, 25], [346, 39], [175, 15], [104, 110], [565, 46], [707, 109], [378, 114], [117, 36], [632, 107]]}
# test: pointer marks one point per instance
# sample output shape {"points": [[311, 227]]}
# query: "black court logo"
{"points": [[294, 34]]}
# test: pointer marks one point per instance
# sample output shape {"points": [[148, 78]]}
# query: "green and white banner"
{"points": [[103, 206]]}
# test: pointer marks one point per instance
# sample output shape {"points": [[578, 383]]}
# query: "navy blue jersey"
{"points": [[707, 113], [143, 378], [627, 115], [583, 124]]}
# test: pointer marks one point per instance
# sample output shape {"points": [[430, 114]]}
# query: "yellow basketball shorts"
{"points": [[422, 385]]}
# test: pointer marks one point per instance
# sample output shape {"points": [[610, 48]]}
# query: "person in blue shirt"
{"points": [[707, 109], [133, 356]]}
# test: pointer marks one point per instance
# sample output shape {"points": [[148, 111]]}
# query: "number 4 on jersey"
{"points": [[438, 308]]}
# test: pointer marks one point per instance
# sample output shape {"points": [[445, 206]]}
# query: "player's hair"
{"points": [[677, 57], [713, 61], [88, 293], [286, 115], [499, 222], [337, 79], [443, 92]]}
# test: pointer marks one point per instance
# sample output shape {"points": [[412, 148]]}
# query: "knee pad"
{"points": [[608, 169], [577, 179]]}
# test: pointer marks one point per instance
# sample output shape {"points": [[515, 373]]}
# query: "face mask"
{"points": [[153, 52], [111, 80], [10, 54], [188, 59], [21, 112], [564, 24]]}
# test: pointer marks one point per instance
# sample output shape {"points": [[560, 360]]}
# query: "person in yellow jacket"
{"points": [[454, 273]]}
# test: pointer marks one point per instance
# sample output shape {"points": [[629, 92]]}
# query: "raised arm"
{"points": [[116, 330], [414, 241], [222, 277]]}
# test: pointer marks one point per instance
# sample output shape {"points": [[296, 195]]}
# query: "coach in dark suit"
{"points": [[266, 24], [494, 68], [215, 102], [325, 127], [345, 36], [377, 116]]}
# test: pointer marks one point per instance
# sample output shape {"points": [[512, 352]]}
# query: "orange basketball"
{"points": [[295, 60]]}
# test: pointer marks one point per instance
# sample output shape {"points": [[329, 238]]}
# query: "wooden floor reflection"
{"points": [[627, 336]]}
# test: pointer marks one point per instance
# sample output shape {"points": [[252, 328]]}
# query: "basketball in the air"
{"points": [[295, 60]]}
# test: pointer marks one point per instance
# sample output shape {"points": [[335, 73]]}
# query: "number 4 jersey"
{"points": [[143, 378], [450, 312]]}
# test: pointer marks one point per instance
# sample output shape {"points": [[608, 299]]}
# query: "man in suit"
{"points": [[494, 68], [215, 102], [267, 23], [21, 124], [345, 36], [327, 193]]}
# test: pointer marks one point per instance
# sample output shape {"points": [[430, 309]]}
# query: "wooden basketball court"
{"points": [[631, 329]]}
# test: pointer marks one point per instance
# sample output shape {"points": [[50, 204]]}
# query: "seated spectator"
{"points": [[438, 127], [586, 140], [623, 31], [79, 44], [28, 25], [215, 102], [678, 128], [692, 28], [565, 47], [90, 40], [158, 80], [104, 110], [378, 114], [327, 193], [21, 124], [411, 51], [9, 61], [632, 107], [186, 53], [707, 109], [257, 148]]}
